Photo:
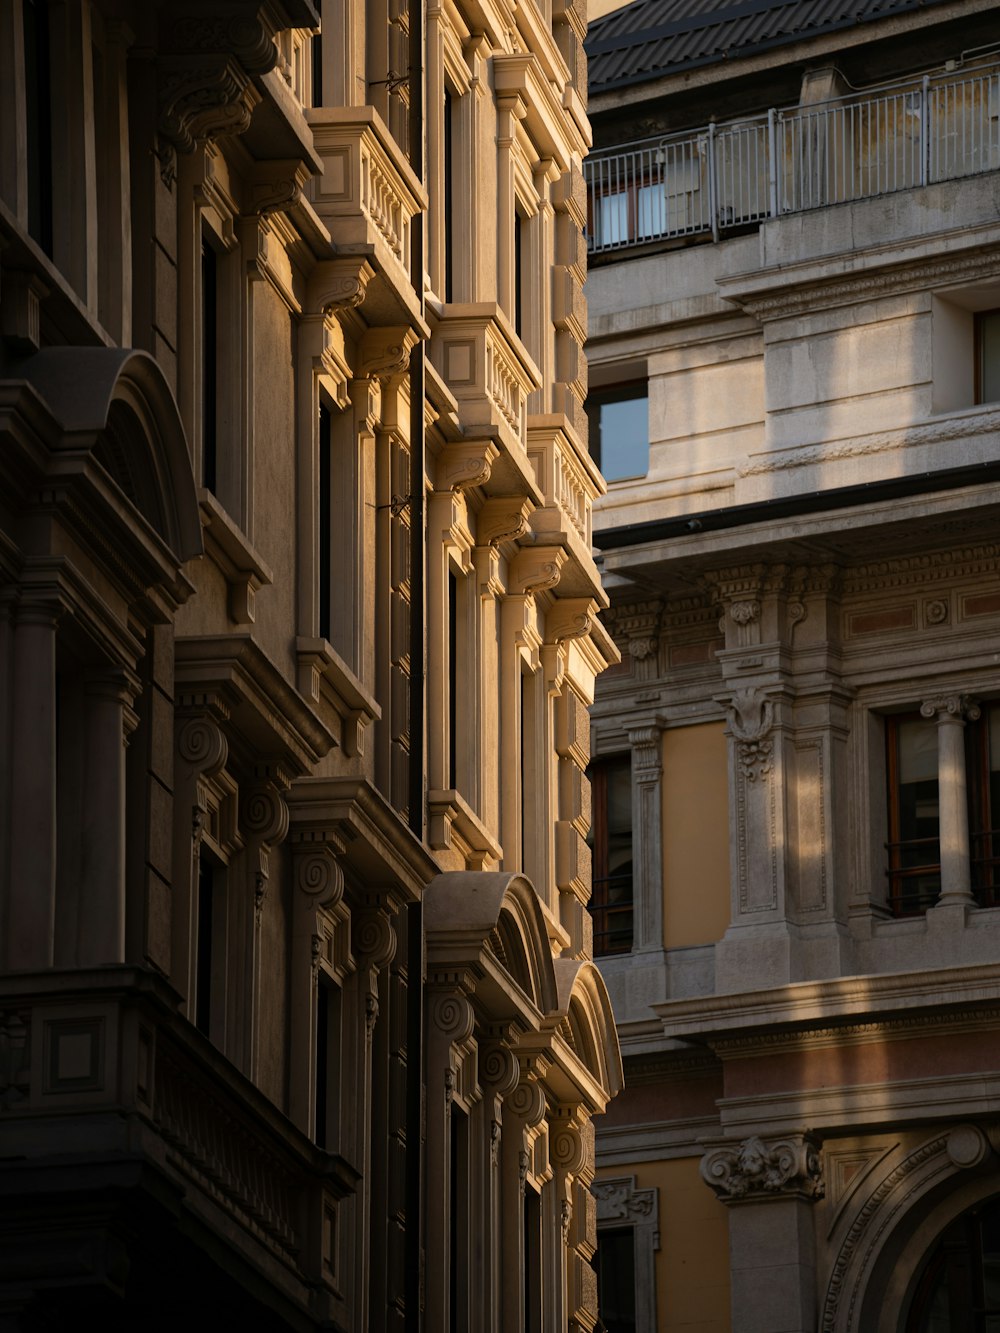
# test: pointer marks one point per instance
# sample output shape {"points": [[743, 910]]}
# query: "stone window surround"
{"points": [[621, 1205], [947, 708]]}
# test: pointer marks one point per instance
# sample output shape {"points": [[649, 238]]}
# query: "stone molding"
{"points": [[620, 1202], [951, 707], [758, 1169]]}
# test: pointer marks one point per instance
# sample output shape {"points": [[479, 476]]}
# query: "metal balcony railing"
{"points": [[730, 175]]}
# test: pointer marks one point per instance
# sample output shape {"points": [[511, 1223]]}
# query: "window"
{"points": [[209, 366], [619, 430], [38, 126], [324, 517], [628, 1236], [987, 329], [959, 1288], [612, 893], [914, 846], [914, 826], [616, 1279]]}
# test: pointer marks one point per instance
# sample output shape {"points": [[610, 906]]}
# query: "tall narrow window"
{"points": [[519, 226], [205, 953], [987, 327], [616, 1279], [611, 902], [532, 1261], [452, 681], [38, 120], [324, 519], [449, 191], [914, 826], [983, 771], [209, 366], [317, 59], [460, 1221], [327, 1064]]}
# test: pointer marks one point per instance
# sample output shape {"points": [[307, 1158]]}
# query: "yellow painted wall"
{"points": [[695, 835], [692, 1265]]}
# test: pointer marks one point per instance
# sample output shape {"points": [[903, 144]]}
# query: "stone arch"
{"points": [[115, 406], [585, 1005], [890, 1231], [469, 913]]}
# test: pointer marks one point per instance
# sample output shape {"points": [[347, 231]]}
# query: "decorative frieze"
{"points": [[758, 1169]]}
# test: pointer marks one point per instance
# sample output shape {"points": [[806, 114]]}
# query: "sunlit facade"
{"points": [[795, 267], [299, 1027]]}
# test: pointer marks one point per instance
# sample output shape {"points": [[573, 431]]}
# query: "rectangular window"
{"points": [[328, 1042], [983, 774], [914, 848], [532, 1261], [519, 248], [914, 828], [619, 429], [210, 948], [209, 366], [316, 46], [449, 192], [987, 329], [38, 120], [452, 681], [324, 553], [611, 902], [616, 1279]]}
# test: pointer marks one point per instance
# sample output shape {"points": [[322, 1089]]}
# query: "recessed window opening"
{"points": [[532, 1261], [209, 366], [38, 120], [317, 59], [210, 907], [452, 680], [987, 338], [619, 430], [520, 223], [328, 1021], [914, 845], [449, 197], [616, 1279], [611, 903], [325, 537]]}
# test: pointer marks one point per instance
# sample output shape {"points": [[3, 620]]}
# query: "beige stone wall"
{"points": [[695, 860]]}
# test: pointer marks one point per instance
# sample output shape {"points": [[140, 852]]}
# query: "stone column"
{"points": [[770, 1187], [101, 918], [647, 837], [950, 712], [32, 887]]}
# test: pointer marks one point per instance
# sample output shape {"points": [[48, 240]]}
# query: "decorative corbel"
{"points": [[265, 820], [536, 568], [503, 518], [277, 184], [339, 284], [385, 351], [757, 1169], [467, 463]]}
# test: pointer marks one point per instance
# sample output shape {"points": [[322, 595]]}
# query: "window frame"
{"points": [[979, 321], [622, 1205], [601, 907], [602, 395]]}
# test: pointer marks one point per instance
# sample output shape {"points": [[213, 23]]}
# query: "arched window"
{"points": [[959, 1288]]}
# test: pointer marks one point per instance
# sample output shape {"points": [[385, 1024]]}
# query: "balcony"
{"points": [[485, 366], [734, 175], [98, 1063], [367, 194]]}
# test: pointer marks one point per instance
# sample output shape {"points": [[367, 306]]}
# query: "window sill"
{"points": [[324, 676], [244, 569], [450, 817]]}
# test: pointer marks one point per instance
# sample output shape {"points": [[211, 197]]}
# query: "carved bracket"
{"points": [[751, 717], [757, 1169]]}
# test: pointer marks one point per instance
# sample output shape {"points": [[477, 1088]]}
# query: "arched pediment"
{"points": [[117, 405], [470, 914], [585, 1006]]}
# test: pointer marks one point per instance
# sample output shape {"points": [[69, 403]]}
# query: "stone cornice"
{"points": [[958, 426], [844, 1008]]}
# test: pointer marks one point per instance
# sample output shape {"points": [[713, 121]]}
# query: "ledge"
{"points": [[450, 813], [324, 675], [226, 544]]}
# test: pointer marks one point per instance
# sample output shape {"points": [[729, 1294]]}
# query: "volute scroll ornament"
{"points": [[751, 717], [756, 1169]]}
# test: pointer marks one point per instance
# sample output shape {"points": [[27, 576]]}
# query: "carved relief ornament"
{"points": [[751, 717], [757, 1169]]}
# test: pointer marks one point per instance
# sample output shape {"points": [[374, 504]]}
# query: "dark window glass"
{"points": [[317, 61], [619, 430], [38, 120], [519, 274], [209, 366], [988, 356], [207, 871], [914, 828], [959, 1288], [532, 1261], [325, 536], [612, 892], [982, 741], [452, 681], [449, 190], [616, 1280]]}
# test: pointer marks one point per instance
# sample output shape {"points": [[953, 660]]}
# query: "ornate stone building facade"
{"points": [[299, 1026], [794, 307]]}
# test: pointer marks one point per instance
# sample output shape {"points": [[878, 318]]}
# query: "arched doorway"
{"points": [[958, 1290]]}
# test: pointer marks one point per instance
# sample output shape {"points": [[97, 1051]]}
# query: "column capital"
{"points": [[757, 1169], [954, 708]]}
